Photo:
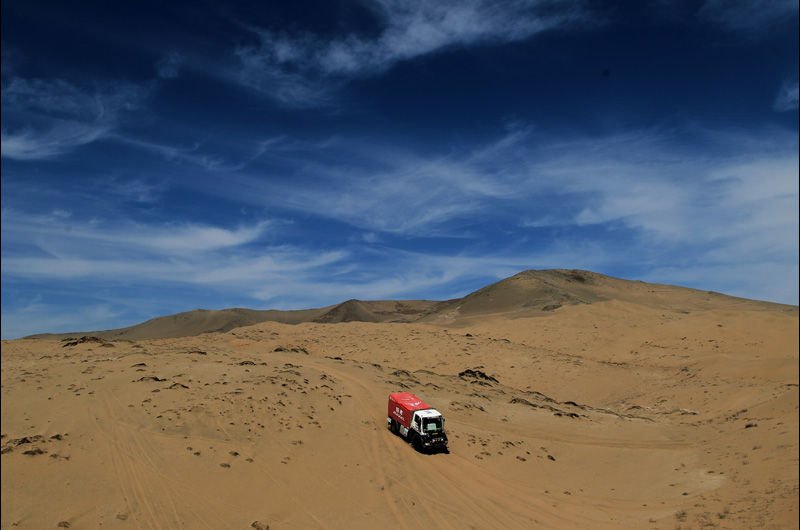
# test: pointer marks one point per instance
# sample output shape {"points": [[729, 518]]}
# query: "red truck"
{"points": [[416, 421]]}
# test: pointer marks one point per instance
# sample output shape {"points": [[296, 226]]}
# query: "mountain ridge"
{"points": [[527, 293]]}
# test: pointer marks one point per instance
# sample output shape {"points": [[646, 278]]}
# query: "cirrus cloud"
{"points": [[303, 69], [46, 118]]}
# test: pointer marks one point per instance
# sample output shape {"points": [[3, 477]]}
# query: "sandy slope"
{"points": [[612, 414]]}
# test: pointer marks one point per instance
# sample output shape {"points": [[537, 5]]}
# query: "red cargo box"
{"points": [[402, 404]]}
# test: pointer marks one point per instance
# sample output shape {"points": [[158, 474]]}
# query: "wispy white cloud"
{"points": [[168, 67], [751, 17], [45, 118], [136, 190], [667, 187], [384, 188], [56, 235], [302, 69], [66, 249], [195, 155], [663, 183], [786, 100], [235, 272], [370, 237], [28, 144]]}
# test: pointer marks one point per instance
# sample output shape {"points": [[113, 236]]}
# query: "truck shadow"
{"points": [[433, 453], [439, 452]]}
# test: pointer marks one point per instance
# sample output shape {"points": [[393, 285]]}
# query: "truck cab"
{"points": [[429, 427]]}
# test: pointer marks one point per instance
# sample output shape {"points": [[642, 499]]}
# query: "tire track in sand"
{"points": [[381, 450], [362, 395], [133, 451], [128, 478]]}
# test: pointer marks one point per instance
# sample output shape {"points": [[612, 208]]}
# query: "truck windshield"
{"points": [[431, 425]]}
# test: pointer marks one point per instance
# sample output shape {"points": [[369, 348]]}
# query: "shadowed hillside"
{"points": [[378, 311]]}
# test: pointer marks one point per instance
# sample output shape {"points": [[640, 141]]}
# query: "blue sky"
{"points": [[158, 158]]}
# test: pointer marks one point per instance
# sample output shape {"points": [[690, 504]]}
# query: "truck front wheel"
{"points": [[416, 441]]}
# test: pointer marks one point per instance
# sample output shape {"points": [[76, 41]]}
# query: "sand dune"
{"points": [[630, 405]]}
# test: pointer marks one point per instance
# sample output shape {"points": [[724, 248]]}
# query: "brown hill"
{"points": [[200, 321], [532, 290], [196, 322], [539, 292], [528, 293]]}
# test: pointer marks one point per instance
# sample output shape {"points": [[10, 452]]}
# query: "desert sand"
{"points": [[590, 402]]}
